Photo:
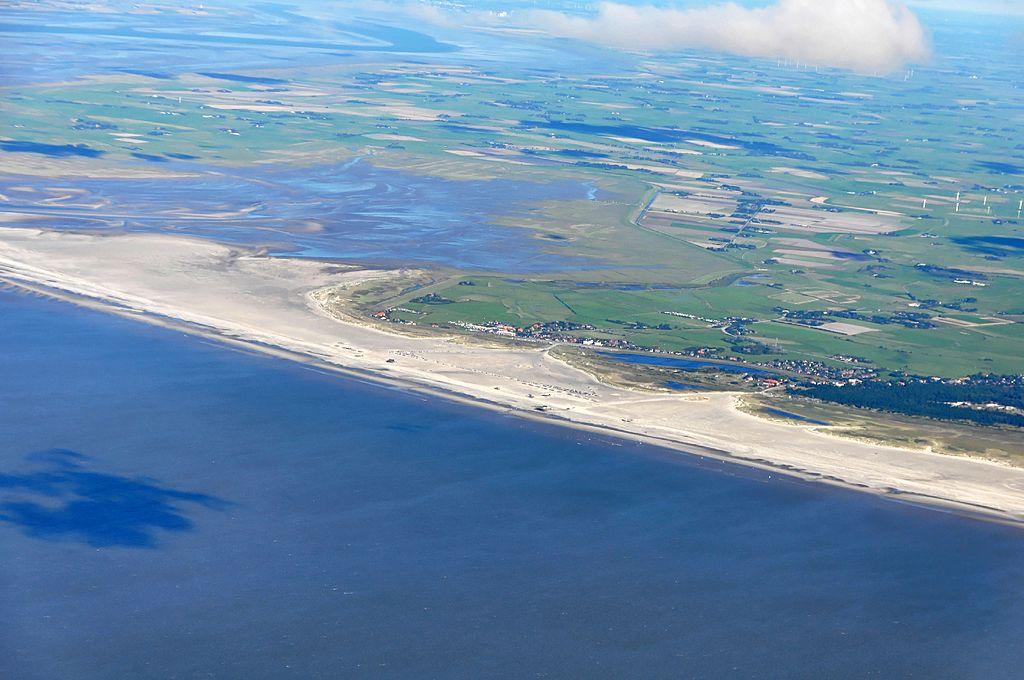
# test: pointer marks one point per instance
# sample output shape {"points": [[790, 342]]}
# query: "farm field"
{"points": [[811, 221]]}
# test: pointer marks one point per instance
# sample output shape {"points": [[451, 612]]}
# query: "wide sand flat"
{"points": [[287, 304]]}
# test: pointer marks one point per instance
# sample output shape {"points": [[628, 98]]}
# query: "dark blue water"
{"points": [[171, 508], [683, 387], [239, 78], [1001, 168], [992, 245], [683, 364], [54, 150]]}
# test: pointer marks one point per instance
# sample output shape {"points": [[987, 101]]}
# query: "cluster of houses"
{"points": [[566, 332]]}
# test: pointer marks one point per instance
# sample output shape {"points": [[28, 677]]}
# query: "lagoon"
{"points": [[684, 364]]}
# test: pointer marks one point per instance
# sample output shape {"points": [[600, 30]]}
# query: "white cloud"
{"points": [[862, 35]]}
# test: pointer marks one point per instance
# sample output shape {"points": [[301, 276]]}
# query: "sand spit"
{"points": [[284, 306]]}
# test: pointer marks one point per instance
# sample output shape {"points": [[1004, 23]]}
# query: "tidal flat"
{"points": [[351, 211]]}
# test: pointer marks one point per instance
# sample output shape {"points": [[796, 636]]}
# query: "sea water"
{"points": [[170, 507]]}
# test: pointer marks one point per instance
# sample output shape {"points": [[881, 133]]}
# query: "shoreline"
{"points": [[665, 445], [635, 416]]}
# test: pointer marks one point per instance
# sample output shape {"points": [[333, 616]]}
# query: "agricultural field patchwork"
{"points": [[821, 223]]}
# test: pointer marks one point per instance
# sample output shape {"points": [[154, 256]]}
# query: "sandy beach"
{"points": [[284, 306]]}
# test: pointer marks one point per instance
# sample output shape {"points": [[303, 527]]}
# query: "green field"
{"points": [[720, 190]]}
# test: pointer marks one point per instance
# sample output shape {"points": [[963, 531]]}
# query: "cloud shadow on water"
{"points": [[61, 498]]}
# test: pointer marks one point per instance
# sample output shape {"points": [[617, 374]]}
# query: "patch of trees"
{"points": [[986, 400], [432, 299], [810, 317]]}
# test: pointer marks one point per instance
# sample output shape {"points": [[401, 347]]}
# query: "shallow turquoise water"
{"points": [[172, 508]]}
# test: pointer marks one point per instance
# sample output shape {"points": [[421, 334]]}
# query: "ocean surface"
{"points": [[52, 45], [171, 508], [44, 45]]}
